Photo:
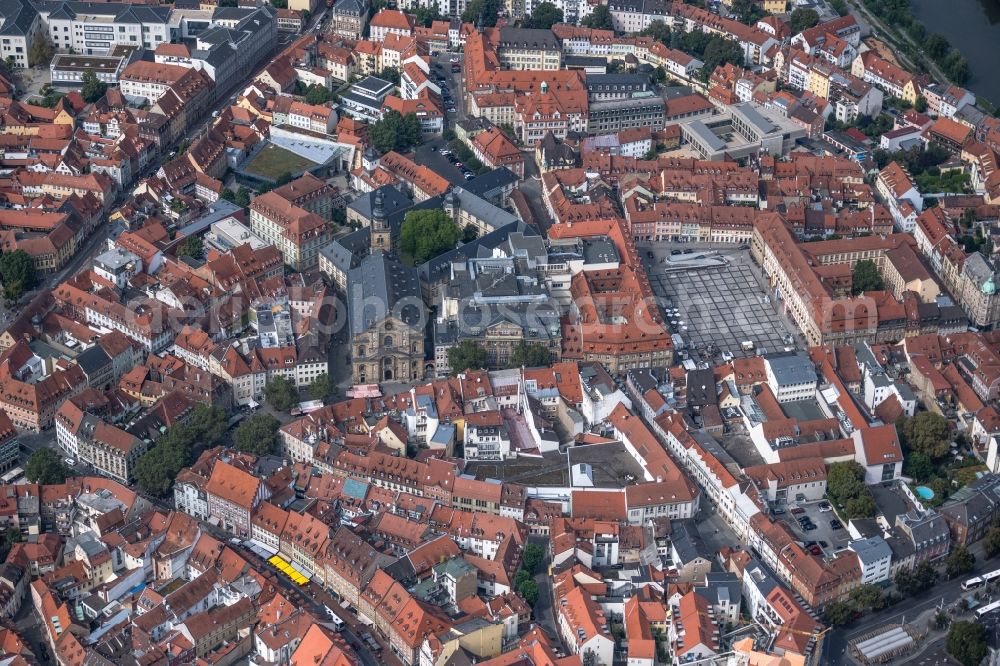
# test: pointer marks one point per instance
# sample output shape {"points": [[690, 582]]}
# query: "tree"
{"points": [[242, 197], [957, 67], [395, 132], [868, 596], [599, 19], [257, 435], [862, 506], [921, 104], [991, 544], [483, 11], [927, 433], [46, 467], [532, 557], [838, 613], [865, 277], [967, 642], [425, 16], [925, 575], [469, 233], [465, 355], [918, 465], [529, 355], [803, 18], [192, 247], [747, 11], [936, 46], [390, 74], [322, 388], [905, 582], [280, 393], [658, 30], [529, 592], [544, 16], [427, 233], [317, 94], [10, 536], [17, 270], [283, 179], [92, 88], [210, 423], [960, 561], [721, 51], [845, 479], [521, 577], [41, 50]]}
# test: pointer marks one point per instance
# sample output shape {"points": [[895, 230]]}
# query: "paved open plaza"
{"points": [[717, 309]]}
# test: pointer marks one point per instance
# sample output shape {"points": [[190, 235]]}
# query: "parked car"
{"points": [[674, 252], [815, 550], [836, 524], [777, 512], [469, 176], [798, 510], [809, 528], [825, 508]]}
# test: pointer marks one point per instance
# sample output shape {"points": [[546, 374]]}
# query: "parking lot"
{"points": [[717, 308], [834, 538], [428, 154]]}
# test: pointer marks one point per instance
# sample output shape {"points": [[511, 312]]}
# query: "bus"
{"points": [[986, 610], [991, 576], [973, 583], [15, 475]]}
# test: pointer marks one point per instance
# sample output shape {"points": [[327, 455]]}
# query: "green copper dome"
{"points": [[989, 287]]}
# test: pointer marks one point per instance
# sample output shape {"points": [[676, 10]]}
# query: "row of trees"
{"points": [[898, 15], [861, 599], [282, 394], [468, 354], [524, 579], [155, 471], [467, 157]]}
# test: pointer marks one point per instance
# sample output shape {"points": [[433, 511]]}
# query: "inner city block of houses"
{"points": [[515, 333]]}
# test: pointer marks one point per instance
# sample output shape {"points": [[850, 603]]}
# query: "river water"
{"points": [[973, 26]]}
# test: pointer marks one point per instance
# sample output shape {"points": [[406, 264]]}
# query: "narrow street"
{"points": [[544, 610]]}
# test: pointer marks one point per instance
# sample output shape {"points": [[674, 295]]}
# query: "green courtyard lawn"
{"points": [[273, 161]]}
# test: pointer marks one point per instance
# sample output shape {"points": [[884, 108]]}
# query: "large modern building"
{"points": [[745, 129]]}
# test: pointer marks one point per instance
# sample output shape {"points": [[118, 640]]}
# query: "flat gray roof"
{"points": [[706, 136]]}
